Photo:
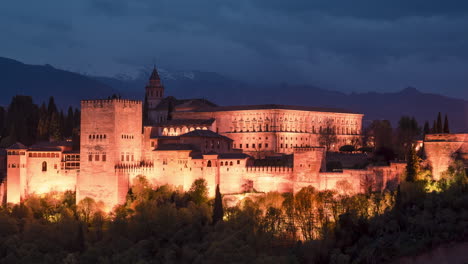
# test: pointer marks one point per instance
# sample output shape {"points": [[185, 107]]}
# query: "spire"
{"points": [[155, 75]]}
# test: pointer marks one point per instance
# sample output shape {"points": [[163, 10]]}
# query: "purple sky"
{"points": [[358, 45]]}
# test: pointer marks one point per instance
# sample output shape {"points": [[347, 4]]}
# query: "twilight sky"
{"points": [[358, 45]]}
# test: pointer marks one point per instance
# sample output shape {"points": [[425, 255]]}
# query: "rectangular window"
{"points": [[240, 145], [55, 166], [128, 157], [281, 145], [133, 158], [259, 146], [96, 157], [266, 145], [253, 145], [104, 157], [246, 145], [122, 158], [90, 157], [152, 144]]}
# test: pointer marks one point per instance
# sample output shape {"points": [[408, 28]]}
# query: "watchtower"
{"points": [[110, 136]]}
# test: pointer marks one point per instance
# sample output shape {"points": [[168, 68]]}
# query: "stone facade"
{"points": [[40, 169], [191, 139], [442, 149]]}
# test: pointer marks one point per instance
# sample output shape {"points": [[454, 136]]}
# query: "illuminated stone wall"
{"points": [[111, 135], [442, 149], [259, 132]]}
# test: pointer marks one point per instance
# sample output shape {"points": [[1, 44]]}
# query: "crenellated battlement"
{"points": [[100, 103], [306, 149], [133, 166], [273, 169]]}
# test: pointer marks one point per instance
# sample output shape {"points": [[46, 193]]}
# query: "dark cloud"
{"points": [[346, 45]]}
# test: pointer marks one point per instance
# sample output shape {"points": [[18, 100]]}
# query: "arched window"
{"points": [[221, 164], [44, 166], [230, 164], [209, 163]]}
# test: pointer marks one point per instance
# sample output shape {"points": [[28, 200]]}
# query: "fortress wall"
{"points": [[268, 179], [307, 163], [54, 179], [440, 150]]}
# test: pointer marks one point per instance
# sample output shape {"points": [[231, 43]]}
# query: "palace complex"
{"points": [[251, 148]]}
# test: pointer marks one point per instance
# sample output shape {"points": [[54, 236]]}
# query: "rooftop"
{"points": [[272, 106], [179, 122], [204, 133], [176, 146]]}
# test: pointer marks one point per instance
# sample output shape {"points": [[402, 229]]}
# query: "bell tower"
{"points": [[154, 90]]}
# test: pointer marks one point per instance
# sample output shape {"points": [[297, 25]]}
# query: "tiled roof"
{"points": [[191, 104], [233, 156], [176, 147], [180, 122], [204, 133], [17, 145], [272, 106]]}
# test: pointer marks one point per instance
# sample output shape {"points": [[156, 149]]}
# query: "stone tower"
{"points": [[110, 137], [154, 95], [17, 183]]}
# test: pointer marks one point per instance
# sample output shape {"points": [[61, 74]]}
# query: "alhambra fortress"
{"points": [[243, 149]]}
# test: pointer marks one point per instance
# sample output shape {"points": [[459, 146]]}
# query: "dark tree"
{"points": [[439, 124], [69, 123], [199, 191], [446, 125], [380, 134], [51, 107], [77, 118], [327, 136], [43, 124], [426, 129], [218, 211], [22, 119], [347, 148], [55, 127], [434, 127], [408, 131], [412, 165]]}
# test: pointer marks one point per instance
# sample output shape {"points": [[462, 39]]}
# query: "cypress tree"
{"points": [[43, 124], [55, 128], [218, 211], [69, 123], [446, 125], [412, 165], [51, 107], [426, 129], [439, 124], [77, 118]]}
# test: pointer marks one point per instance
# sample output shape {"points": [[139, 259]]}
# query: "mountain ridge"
{"points": [[68, 88]]}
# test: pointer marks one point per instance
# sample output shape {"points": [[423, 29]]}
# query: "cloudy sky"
{"points": [[358, 45]]}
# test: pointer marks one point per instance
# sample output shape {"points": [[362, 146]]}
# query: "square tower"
{"points": [[111, 135]]}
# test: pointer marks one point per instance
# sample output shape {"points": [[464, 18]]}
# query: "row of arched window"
{"points": [[16, 165], [43, 155], [227, 163], [97, 136], [253, 145], [127, 136]]}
